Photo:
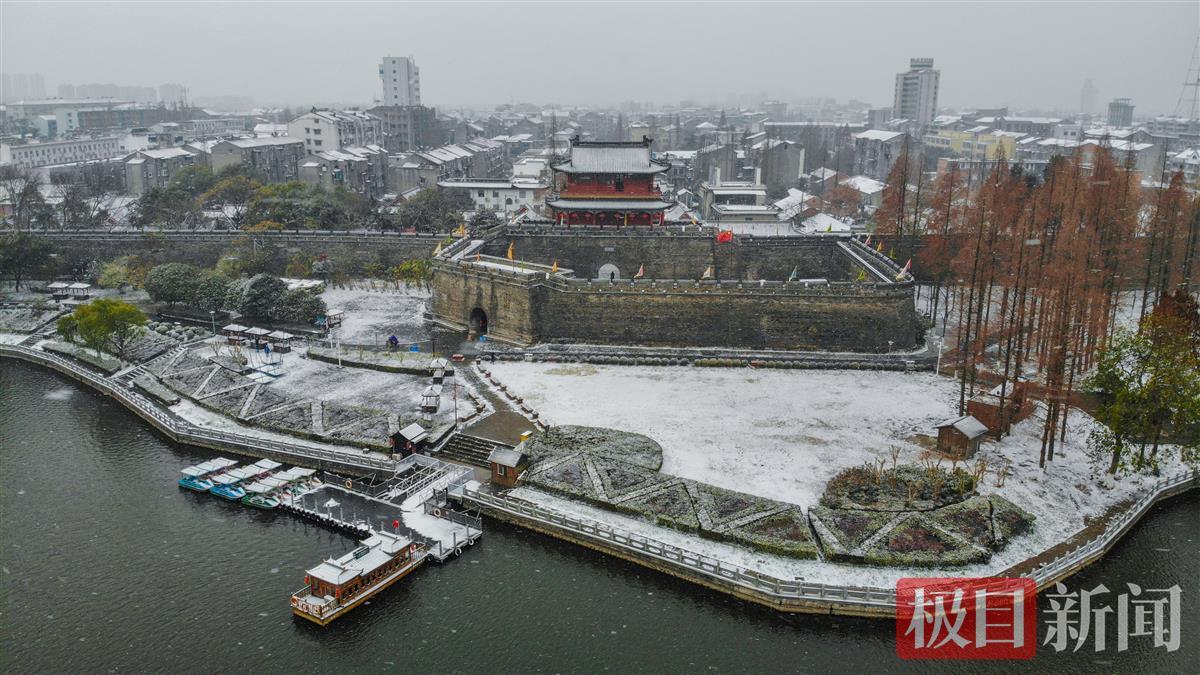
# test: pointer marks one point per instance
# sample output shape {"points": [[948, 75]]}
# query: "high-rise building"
{"points": [[1087, 97], [401, 81], [172, 93], [22, 86], [1120, 112], [916, 92]]}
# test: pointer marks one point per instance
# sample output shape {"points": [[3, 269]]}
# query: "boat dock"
{"points": [[444, 534], [410, 512]]}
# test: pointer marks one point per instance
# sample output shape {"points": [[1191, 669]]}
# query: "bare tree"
{"points": [[20, 187]]}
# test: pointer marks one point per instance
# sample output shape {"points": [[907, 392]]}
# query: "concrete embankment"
{"points": [[182, 431]]}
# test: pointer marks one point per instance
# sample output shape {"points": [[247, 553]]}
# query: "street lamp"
{"points": [[212, 318]]}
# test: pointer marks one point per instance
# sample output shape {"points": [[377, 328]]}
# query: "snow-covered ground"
{"points": [[12, 338], [783, 434], [776, 434], [203, 417], [372, 315], [396, 393]]}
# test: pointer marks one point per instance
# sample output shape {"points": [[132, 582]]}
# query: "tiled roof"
{"points": [[626, 158]]}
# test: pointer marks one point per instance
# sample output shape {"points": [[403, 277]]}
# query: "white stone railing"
{"points": [[185, 432], [782, 590]]}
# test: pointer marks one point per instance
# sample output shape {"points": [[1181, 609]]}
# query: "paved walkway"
{"points": [[506, 424]]}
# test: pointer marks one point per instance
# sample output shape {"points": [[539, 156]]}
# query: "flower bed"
{"points": [[226, 392], [151, 387], [619, 471], [958, 534], [25, 318], [567, 439], [903, 488], [916, 542], [783, 533]]}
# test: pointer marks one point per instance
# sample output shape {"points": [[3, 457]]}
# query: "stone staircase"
{"points": [[468, 449], [44, 333], [130, 374]]}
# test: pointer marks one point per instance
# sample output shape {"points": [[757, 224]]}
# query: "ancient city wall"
{"points": [[505, 298], [749, 305], [665, 255], [839, 318], [524, 309], [349, 251], [677, 253]]}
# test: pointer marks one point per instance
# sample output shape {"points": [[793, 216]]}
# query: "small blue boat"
{"points": [[226, 485], [228, 491], [197, 483]]}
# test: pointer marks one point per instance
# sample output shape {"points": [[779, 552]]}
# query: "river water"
{"points": [[108, 566]]}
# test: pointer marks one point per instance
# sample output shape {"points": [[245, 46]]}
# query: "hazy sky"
{"points": [[1019, 54]]}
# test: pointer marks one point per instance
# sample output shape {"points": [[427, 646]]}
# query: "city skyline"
{"points": [[809, 52]]}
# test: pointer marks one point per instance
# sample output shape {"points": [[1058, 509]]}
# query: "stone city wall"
{"points": [[524, 309], [349, 252], [670, 254], [505, 298], [816, 319]]}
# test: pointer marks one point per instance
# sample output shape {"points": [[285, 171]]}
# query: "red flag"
{"points": [[641, 272], [868, 242], [907, 265], [396, 524], [724, 236]]}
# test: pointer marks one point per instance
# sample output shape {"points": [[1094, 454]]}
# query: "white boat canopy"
{"points": [[242, 473], [208, 467], [265, 465]]}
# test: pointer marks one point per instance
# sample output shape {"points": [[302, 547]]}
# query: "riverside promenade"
{"points": [[182, 431]]}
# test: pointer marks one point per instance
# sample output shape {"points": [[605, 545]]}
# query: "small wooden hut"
{"points": [[959, 437], [507, 465]]}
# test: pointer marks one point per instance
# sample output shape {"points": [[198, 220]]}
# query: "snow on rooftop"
{"points": [[823, 222], [878, 135], [864, 184]]}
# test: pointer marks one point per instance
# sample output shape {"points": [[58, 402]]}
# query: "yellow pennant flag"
{"points": [[510, 250], [437, 251], [461, 231], [554, 268]]}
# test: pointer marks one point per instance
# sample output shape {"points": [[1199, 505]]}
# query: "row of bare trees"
{"points": [[84, 198], [1037, 271]]}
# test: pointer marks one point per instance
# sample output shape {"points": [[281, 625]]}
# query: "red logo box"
{"points": [[968, 618]]}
